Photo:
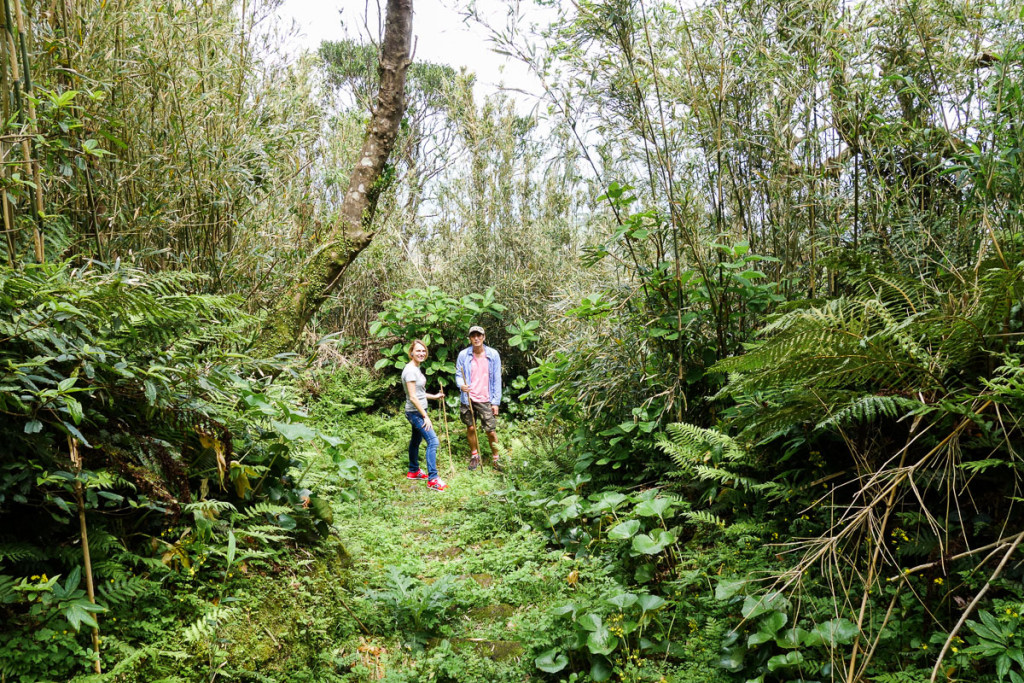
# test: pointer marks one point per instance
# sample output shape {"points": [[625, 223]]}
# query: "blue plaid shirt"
{"points": [[464, 373]]}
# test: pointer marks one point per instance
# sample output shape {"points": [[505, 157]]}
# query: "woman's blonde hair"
{"points": [[412, 347]]}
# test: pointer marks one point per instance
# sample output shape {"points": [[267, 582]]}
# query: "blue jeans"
{"points": [[418, 435]]}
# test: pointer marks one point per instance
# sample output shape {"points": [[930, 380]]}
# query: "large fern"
{"points": [[892, 349]]}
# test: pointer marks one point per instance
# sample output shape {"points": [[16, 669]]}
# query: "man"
{"points": [[478, 376]]}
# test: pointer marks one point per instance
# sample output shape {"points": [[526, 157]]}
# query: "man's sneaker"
{"points": [[418, 474], [474, 461], [437, 485], [496, 462]]}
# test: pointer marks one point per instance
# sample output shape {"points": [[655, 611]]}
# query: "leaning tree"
{"points": [[354, 232]]}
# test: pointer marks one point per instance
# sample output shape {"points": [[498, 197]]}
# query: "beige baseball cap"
{"points": [[476, 328]]}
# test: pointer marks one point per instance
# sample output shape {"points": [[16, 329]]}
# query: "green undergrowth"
{"points": [[506, 576], [468, 585]]}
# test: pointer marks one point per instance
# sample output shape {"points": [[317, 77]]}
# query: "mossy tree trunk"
{"points": [[323, 272]]}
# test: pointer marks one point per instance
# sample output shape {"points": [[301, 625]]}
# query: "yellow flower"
{"points": [[955, 650], [938, 580]]}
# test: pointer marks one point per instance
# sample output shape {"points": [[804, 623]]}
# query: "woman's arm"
{"points": [[410, 388]]}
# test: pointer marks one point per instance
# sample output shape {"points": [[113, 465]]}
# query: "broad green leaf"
{"points": [[773, 622], [321, 509], [589, 621], [567, 608], [727, 588], [756, 605], [601, 641], [732, 658], [551, 661], [622, 601], [786, 661], [232, 547], [792, 638], [1002, 666], [653, 508], [293, 431], [653, 544], [74, 409], [150, 390], [647, 545], [834, 632], [644, 573], [624, 530], [649, 603], [600, 669]]}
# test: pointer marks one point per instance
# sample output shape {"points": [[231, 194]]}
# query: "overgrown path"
{"points": [[449, 581]]}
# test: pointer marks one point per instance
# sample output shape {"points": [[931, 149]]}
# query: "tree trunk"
{"points": [[323, 272]]}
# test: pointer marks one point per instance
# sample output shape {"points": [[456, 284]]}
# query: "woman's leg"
{"points": [[432, 442], [414, 441]]}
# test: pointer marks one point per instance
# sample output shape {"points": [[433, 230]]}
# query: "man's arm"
{"points": [[495, 381], [461, 380]]}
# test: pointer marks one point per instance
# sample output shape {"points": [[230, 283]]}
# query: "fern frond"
{"points": [[13, 551], [868, 409], [704, 517], [689, 445], [725, 478], [7, 584], [210, 507], [206, 626], [264, 508], [118, 591]]}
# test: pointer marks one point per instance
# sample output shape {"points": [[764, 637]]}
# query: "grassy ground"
{"points": [[418, 584], [414, 584]]}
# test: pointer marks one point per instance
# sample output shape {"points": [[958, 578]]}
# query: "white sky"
{"points": [[441, 36]]}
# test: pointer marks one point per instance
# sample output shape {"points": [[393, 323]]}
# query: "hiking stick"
{"points": [[472, 416], [448, 438]]}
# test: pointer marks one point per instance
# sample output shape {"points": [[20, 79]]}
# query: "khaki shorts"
{"points": [[484, 416]]}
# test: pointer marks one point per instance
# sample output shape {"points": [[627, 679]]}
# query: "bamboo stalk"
{"points": [[76, 460], [36, 175], [16, 87], [5, 208]]}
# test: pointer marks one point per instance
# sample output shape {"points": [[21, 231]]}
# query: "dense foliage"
{"points": [[755, 270]]}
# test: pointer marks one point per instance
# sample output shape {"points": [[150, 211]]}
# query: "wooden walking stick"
{"points": [[472, 419]]}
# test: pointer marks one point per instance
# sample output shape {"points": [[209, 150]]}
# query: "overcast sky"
{"points": [[442, 35]]}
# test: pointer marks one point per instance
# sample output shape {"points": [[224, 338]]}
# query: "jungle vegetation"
{"points": [[755, 269]]}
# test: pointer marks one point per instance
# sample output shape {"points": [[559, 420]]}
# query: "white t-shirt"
{"points": [[411, 373]]}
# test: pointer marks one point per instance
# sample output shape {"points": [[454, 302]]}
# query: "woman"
{"points": [[416, 412]]}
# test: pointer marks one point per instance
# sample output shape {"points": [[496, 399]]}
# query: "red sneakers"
{"points": [[437, 485], [418, 474]]}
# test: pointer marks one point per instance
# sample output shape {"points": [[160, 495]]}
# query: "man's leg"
{"points": [[470, 422], [493, 438]]}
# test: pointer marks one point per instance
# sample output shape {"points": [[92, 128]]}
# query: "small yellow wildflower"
{"points": [[938, 580]]}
